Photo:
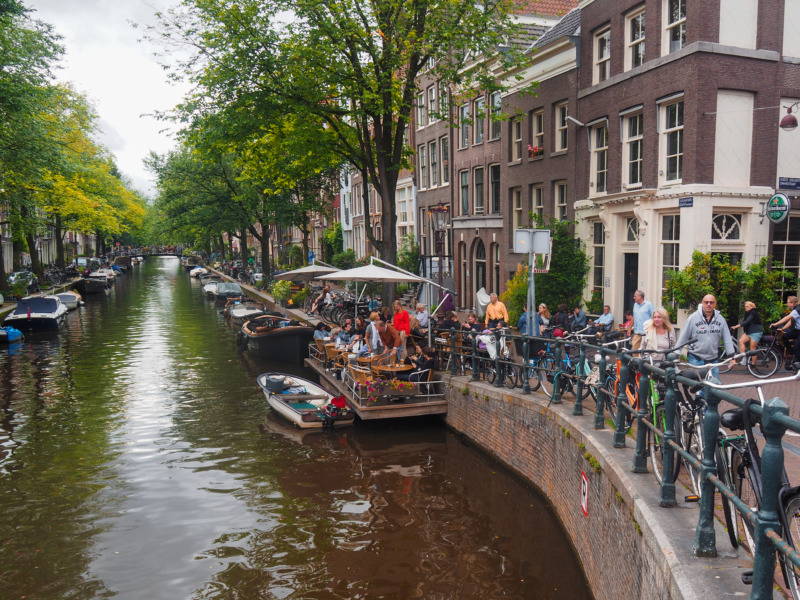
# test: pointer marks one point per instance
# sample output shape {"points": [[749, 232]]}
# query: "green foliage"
{"points": [[402, 288], [345, 259], [281, 290], [332, 241], [595, 305], [408, 254], [296, 256], [300, 297], [732, 285], [566, 280]]}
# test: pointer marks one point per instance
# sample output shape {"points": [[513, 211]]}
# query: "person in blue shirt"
{"points": [[642, 311], [578, 318], [604, 322]]}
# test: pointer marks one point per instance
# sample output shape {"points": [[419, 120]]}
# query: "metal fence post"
{"points": [[556, 398], [498, 376], [526, 384], [767, 518], [667, 495], [475, 375], [705, 543], [640, 456], [453, 366], [599, 417], [577, 408], [622, 413]]}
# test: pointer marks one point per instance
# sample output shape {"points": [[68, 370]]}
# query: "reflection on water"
{"points": [[138, 460]]}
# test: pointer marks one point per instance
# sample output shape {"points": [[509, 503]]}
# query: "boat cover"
{"points": [[36, 304]]}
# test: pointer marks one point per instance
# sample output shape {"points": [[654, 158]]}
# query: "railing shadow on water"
{"points": [[460, 355]]}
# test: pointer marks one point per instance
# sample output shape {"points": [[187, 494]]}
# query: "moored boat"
{"points": [[9, 334], [37, 313], [91, 285], [303, 402], [276, 338], [226, 290], [70, 299], [239, 312]]}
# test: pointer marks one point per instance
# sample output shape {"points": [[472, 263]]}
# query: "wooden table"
{"points": [[392, 370], [365, 361]]}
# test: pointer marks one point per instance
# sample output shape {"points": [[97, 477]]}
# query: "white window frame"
{"points": [[433, 164], [421, 122], [727, 226], [537, 135], [560, 195], [602, 55], [537, 199], [432, 110], [444, 149], [517, 209], [598, 183], [463, 199], [562, 133], [674, 241], [515, 127], [633, 140], [479, 121], [463, 138], [479, 190], [495, 125], [672, 131], [422, 161], [598, 257], [634, 46], [670, 26]]}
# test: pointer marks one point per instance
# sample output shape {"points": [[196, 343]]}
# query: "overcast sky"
{"points": [[119, 74]]}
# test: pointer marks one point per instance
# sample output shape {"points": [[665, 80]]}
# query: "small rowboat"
{"points": [[304, 403]]}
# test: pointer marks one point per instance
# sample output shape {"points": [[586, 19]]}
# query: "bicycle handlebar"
{"points": [[756, 383], [663, 351]]}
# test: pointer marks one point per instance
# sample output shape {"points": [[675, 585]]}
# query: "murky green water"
{"points": [[138, 460]]}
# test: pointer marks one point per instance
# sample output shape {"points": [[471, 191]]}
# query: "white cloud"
{"points": [[106, 61]]}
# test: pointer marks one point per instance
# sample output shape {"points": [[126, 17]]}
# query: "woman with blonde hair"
{"points": [[751, 324], [658, 333]]}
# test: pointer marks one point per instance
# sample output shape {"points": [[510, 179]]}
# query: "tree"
{"points": [[351, 64], [565, 281], [731, 284]]}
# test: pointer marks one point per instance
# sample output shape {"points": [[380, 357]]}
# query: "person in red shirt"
{"points": [[401, 322]]}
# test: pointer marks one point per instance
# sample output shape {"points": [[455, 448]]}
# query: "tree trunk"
{"points": [[60, 262], [245, 253], [36, 266], [16, 256], [3, 274]]}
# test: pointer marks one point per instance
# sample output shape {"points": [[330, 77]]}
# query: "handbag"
{"points": [[558, 332]]}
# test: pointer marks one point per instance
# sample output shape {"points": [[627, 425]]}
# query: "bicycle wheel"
{"points": [[532, 373], [743, 486], [511, 377], [610, 398], [583, 372], [792, 534], [767, 362], [722, 473], [547, 370], [656, 443], [695, 444]]}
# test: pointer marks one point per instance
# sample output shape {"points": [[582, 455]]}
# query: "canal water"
{"points": [[138, 459]]}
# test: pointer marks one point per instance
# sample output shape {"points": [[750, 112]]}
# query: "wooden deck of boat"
{"points": [[381, 409]]}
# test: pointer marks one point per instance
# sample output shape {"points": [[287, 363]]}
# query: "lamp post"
{"points": [[440, 216]]}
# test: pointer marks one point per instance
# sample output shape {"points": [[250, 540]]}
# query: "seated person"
{"points": [[322, 331], [424, 360], [578, 318], [627, 325], [450, 322], [422, 316], [345, 334], [603, 323]]}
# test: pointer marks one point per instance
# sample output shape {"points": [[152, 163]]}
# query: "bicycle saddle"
{"points": [[696, 374], [734, 419]]}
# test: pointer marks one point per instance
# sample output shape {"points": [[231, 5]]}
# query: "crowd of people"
{"points": [[394, 330]]}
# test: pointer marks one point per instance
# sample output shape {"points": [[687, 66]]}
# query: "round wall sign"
{"points": [[778, 208]]}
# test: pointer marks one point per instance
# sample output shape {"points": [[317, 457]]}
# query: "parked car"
{"points": [[30, 279], [258, 275]]}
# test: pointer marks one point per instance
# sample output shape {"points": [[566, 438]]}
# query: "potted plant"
{"points": [[534, 151], [281, 291]]}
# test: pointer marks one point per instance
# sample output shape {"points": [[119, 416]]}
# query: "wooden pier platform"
{"points": [[383, 408]]}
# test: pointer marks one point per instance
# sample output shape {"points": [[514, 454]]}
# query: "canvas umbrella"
{"points": [[371, 272], [308, 273]]}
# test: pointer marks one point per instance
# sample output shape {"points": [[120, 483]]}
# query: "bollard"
{"points": [[667, 494], [577, 408], [640, 455], [705, 543], [475, 375], [771, 481], [619, 432], [498, 376], [557, 364], [453, 365], [599, 417], [526, 384]]}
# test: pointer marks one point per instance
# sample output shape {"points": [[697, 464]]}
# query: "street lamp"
{"points": [[440, 216], [789, 121]]}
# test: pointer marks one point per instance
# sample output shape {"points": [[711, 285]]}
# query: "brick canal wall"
{"points": [[629, 547]]}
